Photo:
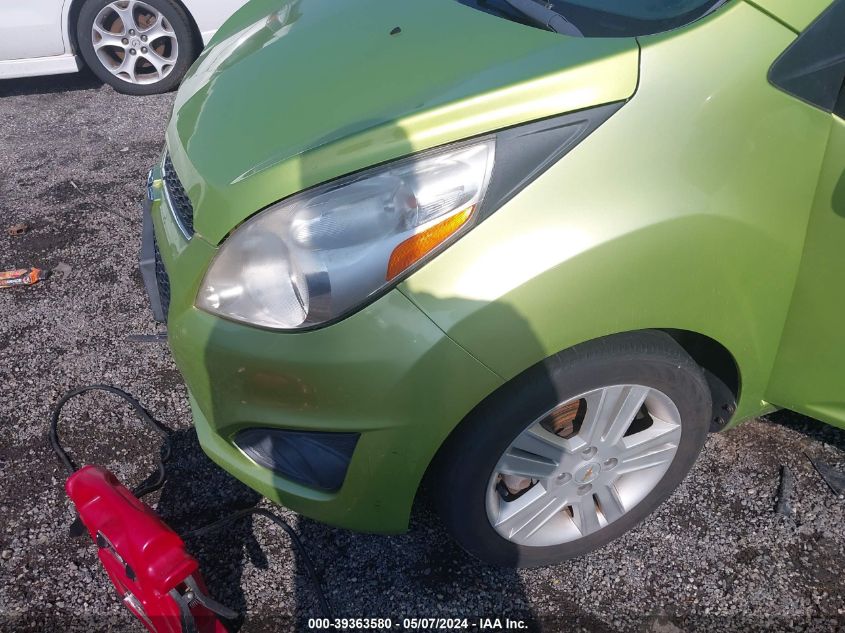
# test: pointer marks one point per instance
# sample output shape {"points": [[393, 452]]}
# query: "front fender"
{"points": [[627, 278]]}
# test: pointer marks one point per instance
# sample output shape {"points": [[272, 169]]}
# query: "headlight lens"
{"points": [[320, 254]]}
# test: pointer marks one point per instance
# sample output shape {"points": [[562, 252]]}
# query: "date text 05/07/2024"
{"points": [[418, 624]]}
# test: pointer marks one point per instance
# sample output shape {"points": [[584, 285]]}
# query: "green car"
{"points": [[524, 255]]}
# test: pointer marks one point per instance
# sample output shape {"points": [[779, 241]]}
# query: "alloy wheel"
{"points": [[135, 42], [583, 465]]}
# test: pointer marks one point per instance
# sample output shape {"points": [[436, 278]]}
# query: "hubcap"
{"points": [[134, 41], [583, 465]]}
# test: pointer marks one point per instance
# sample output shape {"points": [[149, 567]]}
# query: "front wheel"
{"points": [[575, 451], [140, 47]]}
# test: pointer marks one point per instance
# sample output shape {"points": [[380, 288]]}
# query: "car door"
{"points": [[31, 28], [810, 372]]}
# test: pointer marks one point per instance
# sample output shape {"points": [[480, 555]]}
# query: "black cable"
{"points": [[294, 537], [144, 488]]}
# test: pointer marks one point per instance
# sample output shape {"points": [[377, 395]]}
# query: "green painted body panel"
{"points": [[687, 216], [691, 208], [445, 77], [796, 13], [810, 371]]}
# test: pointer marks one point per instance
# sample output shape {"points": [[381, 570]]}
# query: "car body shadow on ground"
{"points": [[49, 84]]}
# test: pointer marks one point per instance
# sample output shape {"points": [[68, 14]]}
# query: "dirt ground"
{"points": [[74, 156]]}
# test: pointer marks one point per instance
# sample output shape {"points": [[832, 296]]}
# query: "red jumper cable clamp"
{"points": [[146, 561]]}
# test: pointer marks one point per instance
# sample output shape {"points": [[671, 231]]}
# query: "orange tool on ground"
{"points": [[21, 277]]}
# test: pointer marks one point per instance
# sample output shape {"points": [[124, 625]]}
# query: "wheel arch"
{"points": [[74, 7], [718, 362], [720, 367]]}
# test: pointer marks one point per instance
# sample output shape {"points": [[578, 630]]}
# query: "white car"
{"points": [[138, 46]]}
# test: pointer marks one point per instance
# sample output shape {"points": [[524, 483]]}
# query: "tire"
{"points": [[467, 466], [152, 69]]}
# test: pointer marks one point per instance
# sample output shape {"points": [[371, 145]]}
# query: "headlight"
{"points": [[321, 254]]}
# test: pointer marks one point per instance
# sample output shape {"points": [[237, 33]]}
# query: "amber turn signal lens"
{"points": [[415, 248]]}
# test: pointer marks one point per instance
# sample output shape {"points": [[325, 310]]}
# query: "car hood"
{"points": [[286, 98]]}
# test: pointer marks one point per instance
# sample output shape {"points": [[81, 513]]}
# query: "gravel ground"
{"points": [[74, 156]]}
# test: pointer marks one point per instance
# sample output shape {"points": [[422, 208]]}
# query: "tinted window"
{"points": [[840, 105], [614, 18], [631, 17], [812, 68]]}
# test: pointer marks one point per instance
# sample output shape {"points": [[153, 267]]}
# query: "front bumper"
{"points": [[386, 372]]}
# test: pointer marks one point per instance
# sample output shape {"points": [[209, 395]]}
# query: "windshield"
{"points": [[613, 18]]}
